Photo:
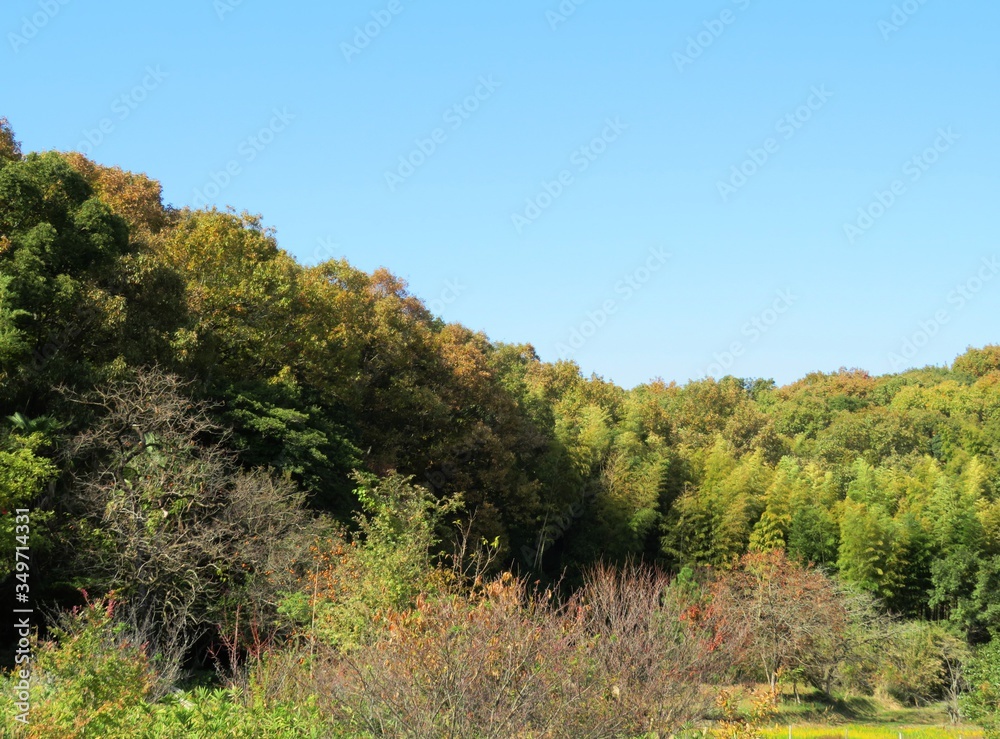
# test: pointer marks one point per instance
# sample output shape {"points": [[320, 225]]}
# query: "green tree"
{"points": [[10, 149], [61, 305], [787, 493], [870, 549], [978, 362], [25, 471], [358, 578]]}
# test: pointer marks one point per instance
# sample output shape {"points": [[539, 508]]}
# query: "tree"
{"points": [[170, 524], [812, 534], [874, 434], [870, 549], [260, 339], [712, 522], [978, 362], [849, 656], [775, 615], [134, 197], [787, 493], [923, 662], [61, 306], [25, 471], [10, 149]]}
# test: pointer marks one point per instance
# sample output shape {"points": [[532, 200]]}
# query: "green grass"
{"points": [[815, 707], [818, 717], [871, 731]]}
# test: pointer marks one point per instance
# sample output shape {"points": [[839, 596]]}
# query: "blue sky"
{"points": [[582, 195]]}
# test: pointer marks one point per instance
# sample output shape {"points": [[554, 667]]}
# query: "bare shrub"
{"points": [[173, 527], [618, 658], [646, 642], [452, 666], [773, 615]]}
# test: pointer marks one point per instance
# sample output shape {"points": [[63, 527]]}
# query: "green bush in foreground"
{"points": [[87, 683], [221, 712], [96, 682]]}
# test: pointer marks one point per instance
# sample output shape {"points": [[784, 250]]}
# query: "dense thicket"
{"points": [[891, 481]]}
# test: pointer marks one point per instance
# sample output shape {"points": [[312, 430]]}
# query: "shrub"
{"points": [[180, 530], [356, 579], [646, 644], [230, 713], [982, 702], [96, 681], [747, 724], [618, 659], [484, 666], [89, 681], [922, 663], [24, 471]]}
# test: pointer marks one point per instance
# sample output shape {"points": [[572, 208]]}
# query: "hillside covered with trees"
{"points": [[371, 522]]}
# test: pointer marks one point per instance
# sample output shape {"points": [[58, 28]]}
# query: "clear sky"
{"points": [[582, 195]]}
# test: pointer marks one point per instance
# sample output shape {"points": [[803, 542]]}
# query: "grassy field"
{"points": [[863, 718], [872, 731], [816, 717]]}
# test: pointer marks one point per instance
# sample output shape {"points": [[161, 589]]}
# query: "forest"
{"points": [[247, 496]]}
